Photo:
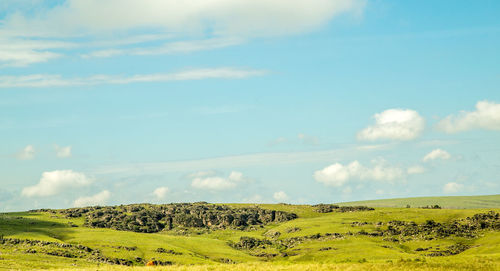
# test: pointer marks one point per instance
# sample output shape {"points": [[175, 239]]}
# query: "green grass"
{"points": [[203, 250], [455, 202]]}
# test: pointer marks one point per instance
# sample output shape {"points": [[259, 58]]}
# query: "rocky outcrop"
{"points": [[151, 218]]}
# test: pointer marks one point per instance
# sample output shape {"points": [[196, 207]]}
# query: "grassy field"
{"points": [[207, 250], [456, 202]]}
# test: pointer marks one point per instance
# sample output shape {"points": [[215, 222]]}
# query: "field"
{"points": [[455, 202], [321, 241]]}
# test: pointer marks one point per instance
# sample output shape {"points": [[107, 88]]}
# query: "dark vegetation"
{"points": [[149, 218], [431, 207], [329, 208], [61, 250], [468, 227], [251, 243]]}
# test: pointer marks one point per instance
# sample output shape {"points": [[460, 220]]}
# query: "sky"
{"points": [[106, 102]]}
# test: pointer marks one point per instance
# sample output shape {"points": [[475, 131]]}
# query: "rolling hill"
{"points": [[202, 236]]}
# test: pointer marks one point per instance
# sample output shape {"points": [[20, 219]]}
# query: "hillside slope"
{"points": [[452, 202], [380, 239]]}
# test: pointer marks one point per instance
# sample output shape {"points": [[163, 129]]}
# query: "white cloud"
{"points": [[486, 116], [337, 174], [161, 192], [63, 152], [451, 188], [97, 199], [27, 153], [415, 170], [280, 196], [44, 80], [209, 182], [394, 124], [55, 182], [436, 154]]}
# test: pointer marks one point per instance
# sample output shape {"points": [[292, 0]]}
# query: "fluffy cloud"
{"points": [[437, 154], [394, 124], [337, 174], [209, 181], [451, 188], [27, 153], [486, 116], [161, 192], [43, 80], [280, 196], [63, 152], [97, 199], [55, 182]]}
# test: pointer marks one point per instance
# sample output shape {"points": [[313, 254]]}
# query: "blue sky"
{"points": [[114, 102]]}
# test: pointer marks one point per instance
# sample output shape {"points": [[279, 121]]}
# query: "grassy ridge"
{"points": [[205, 249], [453, 202]]}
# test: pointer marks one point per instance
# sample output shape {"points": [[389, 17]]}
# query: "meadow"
{"points": [[313, 241]]}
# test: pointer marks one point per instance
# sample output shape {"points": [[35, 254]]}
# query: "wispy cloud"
{"points": [[248, 160], [169, 48], [17, 52], [44, 80]]}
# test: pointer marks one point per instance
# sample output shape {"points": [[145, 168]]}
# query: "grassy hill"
{"points": [[455, 202], [313, 241]]}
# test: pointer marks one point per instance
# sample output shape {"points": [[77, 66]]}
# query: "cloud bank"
{"points": [[222, 17], [221, 23]]}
